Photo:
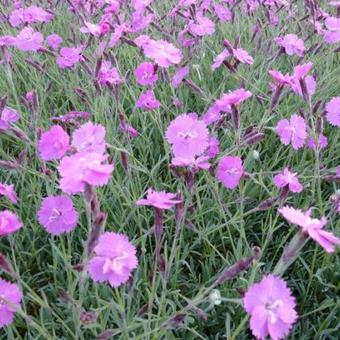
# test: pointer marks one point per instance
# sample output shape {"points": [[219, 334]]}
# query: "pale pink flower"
{"points": [[229, 171], [243, 56], [313, 227], [148, 101], [142, 41], [57, 214], [213, 114], [271, 307], [146, 74], [8, 116], [287, 178], [333, 111], [114, 260], [10, 298], [28, 40], [223, 13], [89, 137], [195, 163], [29, 15], [188, 136], [235, 97], [9, 192], [108, 74], [162, 52], [291, 44], [140, 21], [323, 142], [9, 223], [7, 40], [280, 78], [292, 131], [82, 168], [178, 77], [69, 56], [54, 41], [202, 26], [54, 143], [332, 34], [218, 61], [159, 199]]}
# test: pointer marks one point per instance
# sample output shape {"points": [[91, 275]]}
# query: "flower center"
{"points": [[115, 264], [187, 135], [233, 172], [272, 310], [55, 215]]}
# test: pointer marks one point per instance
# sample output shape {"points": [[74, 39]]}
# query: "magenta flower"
{"points": [[159, 199], [310, 85], [223, 13], [108, 74], [178, 77], [291, 44], [148, 101], [218, 61], [54, 143], [9, 192], [332, 34], [229, 171], [313, 227], [323, 142], [235, 97], [271, 307], [292, 131], [213, 147], [280, 78], [90, 28], [54, 41], [28, 40], [9, 223], [146, 74], [8, 116], [202, 26], [57, 214], [243, 56], [29, 15], [201, 162], [114, 260], [81, 168], [213, 114], [333, 111], [69, 56], [188, 136], [89, 138], [287, 178], [163, 53], [10, 298]]}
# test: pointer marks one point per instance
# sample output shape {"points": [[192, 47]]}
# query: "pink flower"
{"points": [[90, 28], [213, 148], [148, 101], [54, 143], [69, 56], [280, 78], [29, 15], [243, 56], [54, 41], [213, 114], [159, 199], [332, 34], [333, 111], [271, 307], [311, 226], [188, 136], [223, 13], [323, 142], [114, 260], [235, 97], [57, 214], [9, 223], [292, 44], [9, 192], [108, 74], [202, 26], [146, 74], [81, 168], [310, 85], [10, 298], [230, 171], [218, 61], [7, 40], [287, 178], [201, 162], [8, 116], [163, 53], [178, 77], [292, 131], [89, 138], [28, 40], [130, 130]]}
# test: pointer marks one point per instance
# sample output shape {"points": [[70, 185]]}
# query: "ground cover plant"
{"points": [[169, 169]]}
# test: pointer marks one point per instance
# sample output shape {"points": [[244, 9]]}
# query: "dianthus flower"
{"points": [[178, 77], [159, 199], [28, 40], [271, 307], [29, 15], [332, 34], [54, 41], [243, 56], [230, 171], [292, 131], [333, 111], [219, 59], [235, 97], [57, 214], [90, 28], [291, 44], [323, 142], [223, 13], [148, 101], [10, 298], [54, 143], [9, 223], [188, 136], [8, 116], [313, 227], [288, 179], [114, 260], [9, 192], [108, 74], [69, 56], [202, 26], [146, 74]]}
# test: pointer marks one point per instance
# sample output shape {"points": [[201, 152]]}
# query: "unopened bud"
{"points": [[215, 297]]}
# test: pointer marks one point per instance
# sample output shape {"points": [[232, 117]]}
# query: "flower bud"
{"points": [[215, 297]]}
